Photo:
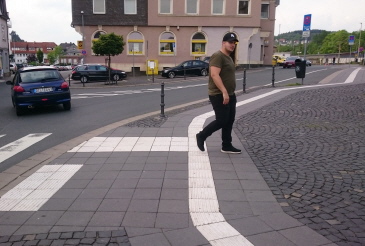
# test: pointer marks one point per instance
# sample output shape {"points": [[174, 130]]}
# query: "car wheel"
{"points": [[84, 79], [67, 105], [116, 77], [19, 111], [171, 75], [203, 72]]}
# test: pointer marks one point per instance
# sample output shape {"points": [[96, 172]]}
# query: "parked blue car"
{"points": [[39, 86]]}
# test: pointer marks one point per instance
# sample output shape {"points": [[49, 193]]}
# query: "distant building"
{"points": [[71, 54], [4, 40], [171, 31], [21, 50]]}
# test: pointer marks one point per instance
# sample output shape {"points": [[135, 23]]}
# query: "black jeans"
{"points": [[224, 118]]}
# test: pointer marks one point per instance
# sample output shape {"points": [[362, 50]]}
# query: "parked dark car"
{"points": [[39, 86], [192, 67], [86, 72], [290, 61]]}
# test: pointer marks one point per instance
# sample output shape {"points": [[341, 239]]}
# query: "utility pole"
{"points": [[358, 48]]}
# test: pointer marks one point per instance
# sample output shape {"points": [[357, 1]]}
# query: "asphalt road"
{"points": [[95, 107]]}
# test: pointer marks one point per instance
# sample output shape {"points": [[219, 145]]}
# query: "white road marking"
{"points": [[21, 144], [352, 76], [38, 188]]}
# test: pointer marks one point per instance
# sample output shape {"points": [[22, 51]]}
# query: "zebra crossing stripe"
{"points": [[21, 144], [38, 188]]}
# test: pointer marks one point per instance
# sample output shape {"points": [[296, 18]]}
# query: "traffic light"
{"points": [[80, 45]]}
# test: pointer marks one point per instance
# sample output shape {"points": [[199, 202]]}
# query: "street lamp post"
{"points": [[83, 36], [358, 48]]}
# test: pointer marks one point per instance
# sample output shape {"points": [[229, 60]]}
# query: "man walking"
{"points": [[222, 84]]}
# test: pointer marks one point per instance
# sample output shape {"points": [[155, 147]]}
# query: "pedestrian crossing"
{"points": [[21, 144]]}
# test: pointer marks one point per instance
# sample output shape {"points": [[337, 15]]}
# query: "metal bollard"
{"points": [[273, 76], [244, 80], [69, 80], [162, 100]]}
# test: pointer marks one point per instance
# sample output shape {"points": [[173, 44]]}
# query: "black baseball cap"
{"points": [[230, 37]]}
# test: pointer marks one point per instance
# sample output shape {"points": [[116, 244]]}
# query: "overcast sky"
{"points": [[49, 20]]}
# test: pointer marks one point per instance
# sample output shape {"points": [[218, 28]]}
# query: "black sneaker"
{"points": [[200, 142], [230, 150]]}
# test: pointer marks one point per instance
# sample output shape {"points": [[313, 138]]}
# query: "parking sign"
{"points": [[351, 40], [307, 22]]}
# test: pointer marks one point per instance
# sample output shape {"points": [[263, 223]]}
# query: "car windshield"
{"points": [[39, 76]]}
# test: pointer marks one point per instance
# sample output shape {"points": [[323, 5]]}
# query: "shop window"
{"points": [[135, 43], [198, 44], [167, 43]]}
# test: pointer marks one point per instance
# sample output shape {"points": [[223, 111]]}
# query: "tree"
{"points": [[335, 42], [108, 45], [51, 57], [40, 56], [31, 58]]}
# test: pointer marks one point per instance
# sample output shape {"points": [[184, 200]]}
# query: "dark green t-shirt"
{"points": [[226, 64]]}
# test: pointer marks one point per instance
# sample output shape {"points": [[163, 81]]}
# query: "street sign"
{"points": [[307, 22], [80, 45], [351, 40], [83, 52], [306, 34]]}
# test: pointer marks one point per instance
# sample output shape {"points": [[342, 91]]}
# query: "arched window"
{"points": [[198, 44], [95, 37], [167, 43], [135, 43]]}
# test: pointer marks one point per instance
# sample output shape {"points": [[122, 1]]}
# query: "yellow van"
{"points": [[279, 60]]}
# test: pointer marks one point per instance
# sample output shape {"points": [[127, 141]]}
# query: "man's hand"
{"points": [[225, 98]]}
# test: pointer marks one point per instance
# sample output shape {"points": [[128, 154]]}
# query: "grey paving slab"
{"points": [[173, 206], [174, 194], [114, 205], [252, 225], [150, 240], [75, 218], [15, 218], [143, 206], [119, 193], [107, 219], [150, 183], [172, 220], [147, 193], [303, 236], [186, 236], [57, 204], [85, 204], [269, 239], [44, 218], [139, 219], [32, 229], [93, 193]]}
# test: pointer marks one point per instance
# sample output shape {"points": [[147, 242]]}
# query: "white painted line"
{"points": [[38, 188], [2, 136], [352, 76], [21, 144], [126, 144], [203, 202]]}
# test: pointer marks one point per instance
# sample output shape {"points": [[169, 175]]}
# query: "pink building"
{"points": [[172, 31]]}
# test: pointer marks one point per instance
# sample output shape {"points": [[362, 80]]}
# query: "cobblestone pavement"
{"points": [[310, 149], [69, 238]]}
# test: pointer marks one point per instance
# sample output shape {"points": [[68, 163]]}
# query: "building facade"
{"points": [[172, 31], [21, 50], [4, 40]]}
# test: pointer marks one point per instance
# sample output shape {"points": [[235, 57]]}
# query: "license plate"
{"points": [[41, 90]]}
